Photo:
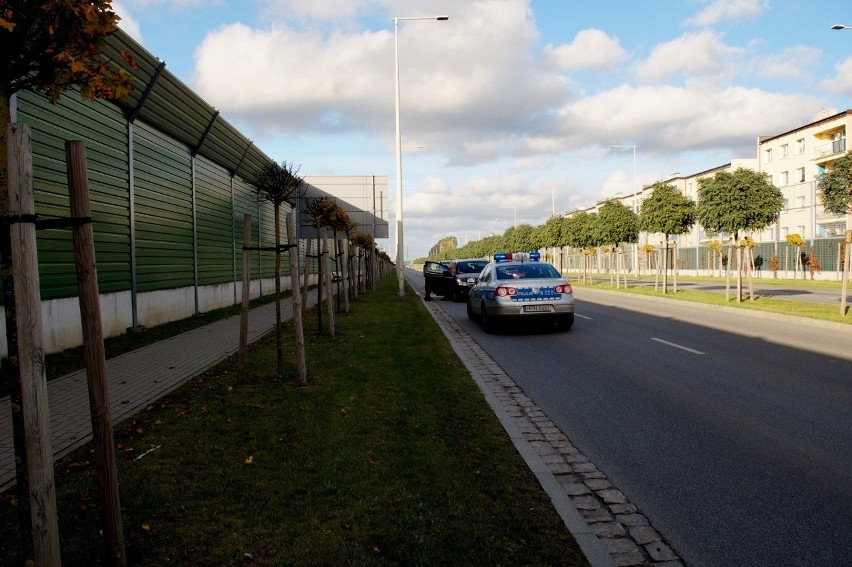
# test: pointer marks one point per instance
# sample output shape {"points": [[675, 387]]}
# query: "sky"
{"points": [[509, 109]]}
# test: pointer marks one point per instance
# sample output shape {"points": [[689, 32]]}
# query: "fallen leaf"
{"points": [[146, 527], [249, 459]]}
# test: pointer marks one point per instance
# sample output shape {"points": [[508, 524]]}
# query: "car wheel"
{"points": [[488, 323], [565, 322], [470, 314]]}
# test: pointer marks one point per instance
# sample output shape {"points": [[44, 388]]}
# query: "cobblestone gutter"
{"points": [[625, 533]]}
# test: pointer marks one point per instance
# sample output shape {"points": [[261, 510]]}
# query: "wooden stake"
{"points": [[326, 270], [244, 313], [94, 354], [31, 350], [298, 324]]}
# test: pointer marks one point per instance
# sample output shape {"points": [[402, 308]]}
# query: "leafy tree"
{"points": [[616, 223], [520, 239], [667, 211], [321, 212], [835, 186], [279, 184], [732, 202]]}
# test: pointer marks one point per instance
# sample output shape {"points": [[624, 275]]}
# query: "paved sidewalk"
{"points": [[135, 380]]}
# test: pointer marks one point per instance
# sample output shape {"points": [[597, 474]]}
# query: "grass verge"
{"points": [[820, 311], [390, 457]]}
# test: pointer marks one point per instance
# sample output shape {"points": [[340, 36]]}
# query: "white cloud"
{"points": [[729, 10], [793, 63], [841, 83], [692, 54], [591, 49], [128, 23], [468, 86]]}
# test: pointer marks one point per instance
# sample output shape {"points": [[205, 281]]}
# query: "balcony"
{"points": [[830, 149]]}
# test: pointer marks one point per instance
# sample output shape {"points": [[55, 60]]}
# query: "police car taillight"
{"points": [[503, 291], [564, 288]]}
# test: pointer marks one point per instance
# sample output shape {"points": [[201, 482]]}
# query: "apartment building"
{"points": [[793, 161]]}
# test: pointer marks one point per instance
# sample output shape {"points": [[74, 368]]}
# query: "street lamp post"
{"points": [[635, 206], [400, 256]]}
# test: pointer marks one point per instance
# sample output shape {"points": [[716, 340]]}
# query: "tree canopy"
{"points": [[51, 46], [835, 186], [743, 200], [616, 223], [667, 211]]}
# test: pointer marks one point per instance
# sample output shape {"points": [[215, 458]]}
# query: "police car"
{"points": [[520, 288]]}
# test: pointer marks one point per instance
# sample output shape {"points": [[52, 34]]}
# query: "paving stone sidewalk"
{"points": [[135, 380]]}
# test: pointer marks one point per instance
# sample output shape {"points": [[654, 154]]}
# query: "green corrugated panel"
{"points": [[213, 223], [101, 126], [163, 197], [245, 202]]}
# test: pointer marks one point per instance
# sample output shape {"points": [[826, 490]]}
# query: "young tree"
{"points": [[733, 202], [577, 233], [666, 211], [321, 211], [616, 223], [279, 184], [49, 47]]}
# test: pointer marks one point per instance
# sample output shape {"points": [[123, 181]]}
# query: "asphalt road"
{"points": [[731, 432]]}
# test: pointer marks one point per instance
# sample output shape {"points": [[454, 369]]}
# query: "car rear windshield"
{"points": [[470, 267], [526, 271]]}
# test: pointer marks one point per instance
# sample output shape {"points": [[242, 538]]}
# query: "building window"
{"points": [[767, 155], [800, 201], [802, 231], [800, 146], [786, 204], [800, 175], [784, 232], [785, 178], [785, 150]]}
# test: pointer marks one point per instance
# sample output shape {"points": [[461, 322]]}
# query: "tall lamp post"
{"points": [[400, 255], [635, 205]]}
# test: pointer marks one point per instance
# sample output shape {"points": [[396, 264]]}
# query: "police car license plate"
{"points": [[538, 308]]}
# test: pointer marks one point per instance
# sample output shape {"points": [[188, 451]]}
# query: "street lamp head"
{"points": [[442, 18], [840, 27]]}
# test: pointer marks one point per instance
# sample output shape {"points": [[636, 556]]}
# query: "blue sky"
{"points": [[511, 106]]}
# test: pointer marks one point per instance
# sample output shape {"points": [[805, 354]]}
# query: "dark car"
{"points": [[452, 279], [465, 272]]}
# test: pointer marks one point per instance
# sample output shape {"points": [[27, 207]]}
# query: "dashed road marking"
{"points": [[687, 349]]}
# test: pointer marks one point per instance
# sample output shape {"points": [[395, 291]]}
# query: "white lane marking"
{"points": [[582, 316], [692, 350]]}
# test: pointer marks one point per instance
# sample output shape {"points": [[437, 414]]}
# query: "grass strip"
{"points": [[819, 311], [389, 457]]}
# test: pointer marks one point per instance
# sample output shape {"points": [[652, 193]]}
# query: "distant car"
{"points": [[465, 273], [521, 288], [453, 278]]}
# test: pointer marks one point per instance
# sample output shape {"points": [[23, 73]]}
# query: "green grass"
{"points": [[820, 311], [389, 457]]}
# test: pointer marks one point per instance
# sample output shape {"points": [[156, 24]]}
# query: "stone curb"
{"points": [[609, 529]]}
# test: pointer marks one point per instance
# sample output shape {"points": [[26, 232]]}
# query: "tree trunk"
{"points": [[728, 270], [307, 270], [328, 294], [319, 281], [279, 348]]}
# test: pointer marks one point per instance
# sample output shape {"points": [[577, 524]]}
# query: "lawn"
{"points": [[389, 457]]}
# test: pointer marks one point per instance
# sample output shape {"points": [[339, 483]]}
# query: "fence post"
{"points": [[93, 352], [30, 348], [327, 284]]}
